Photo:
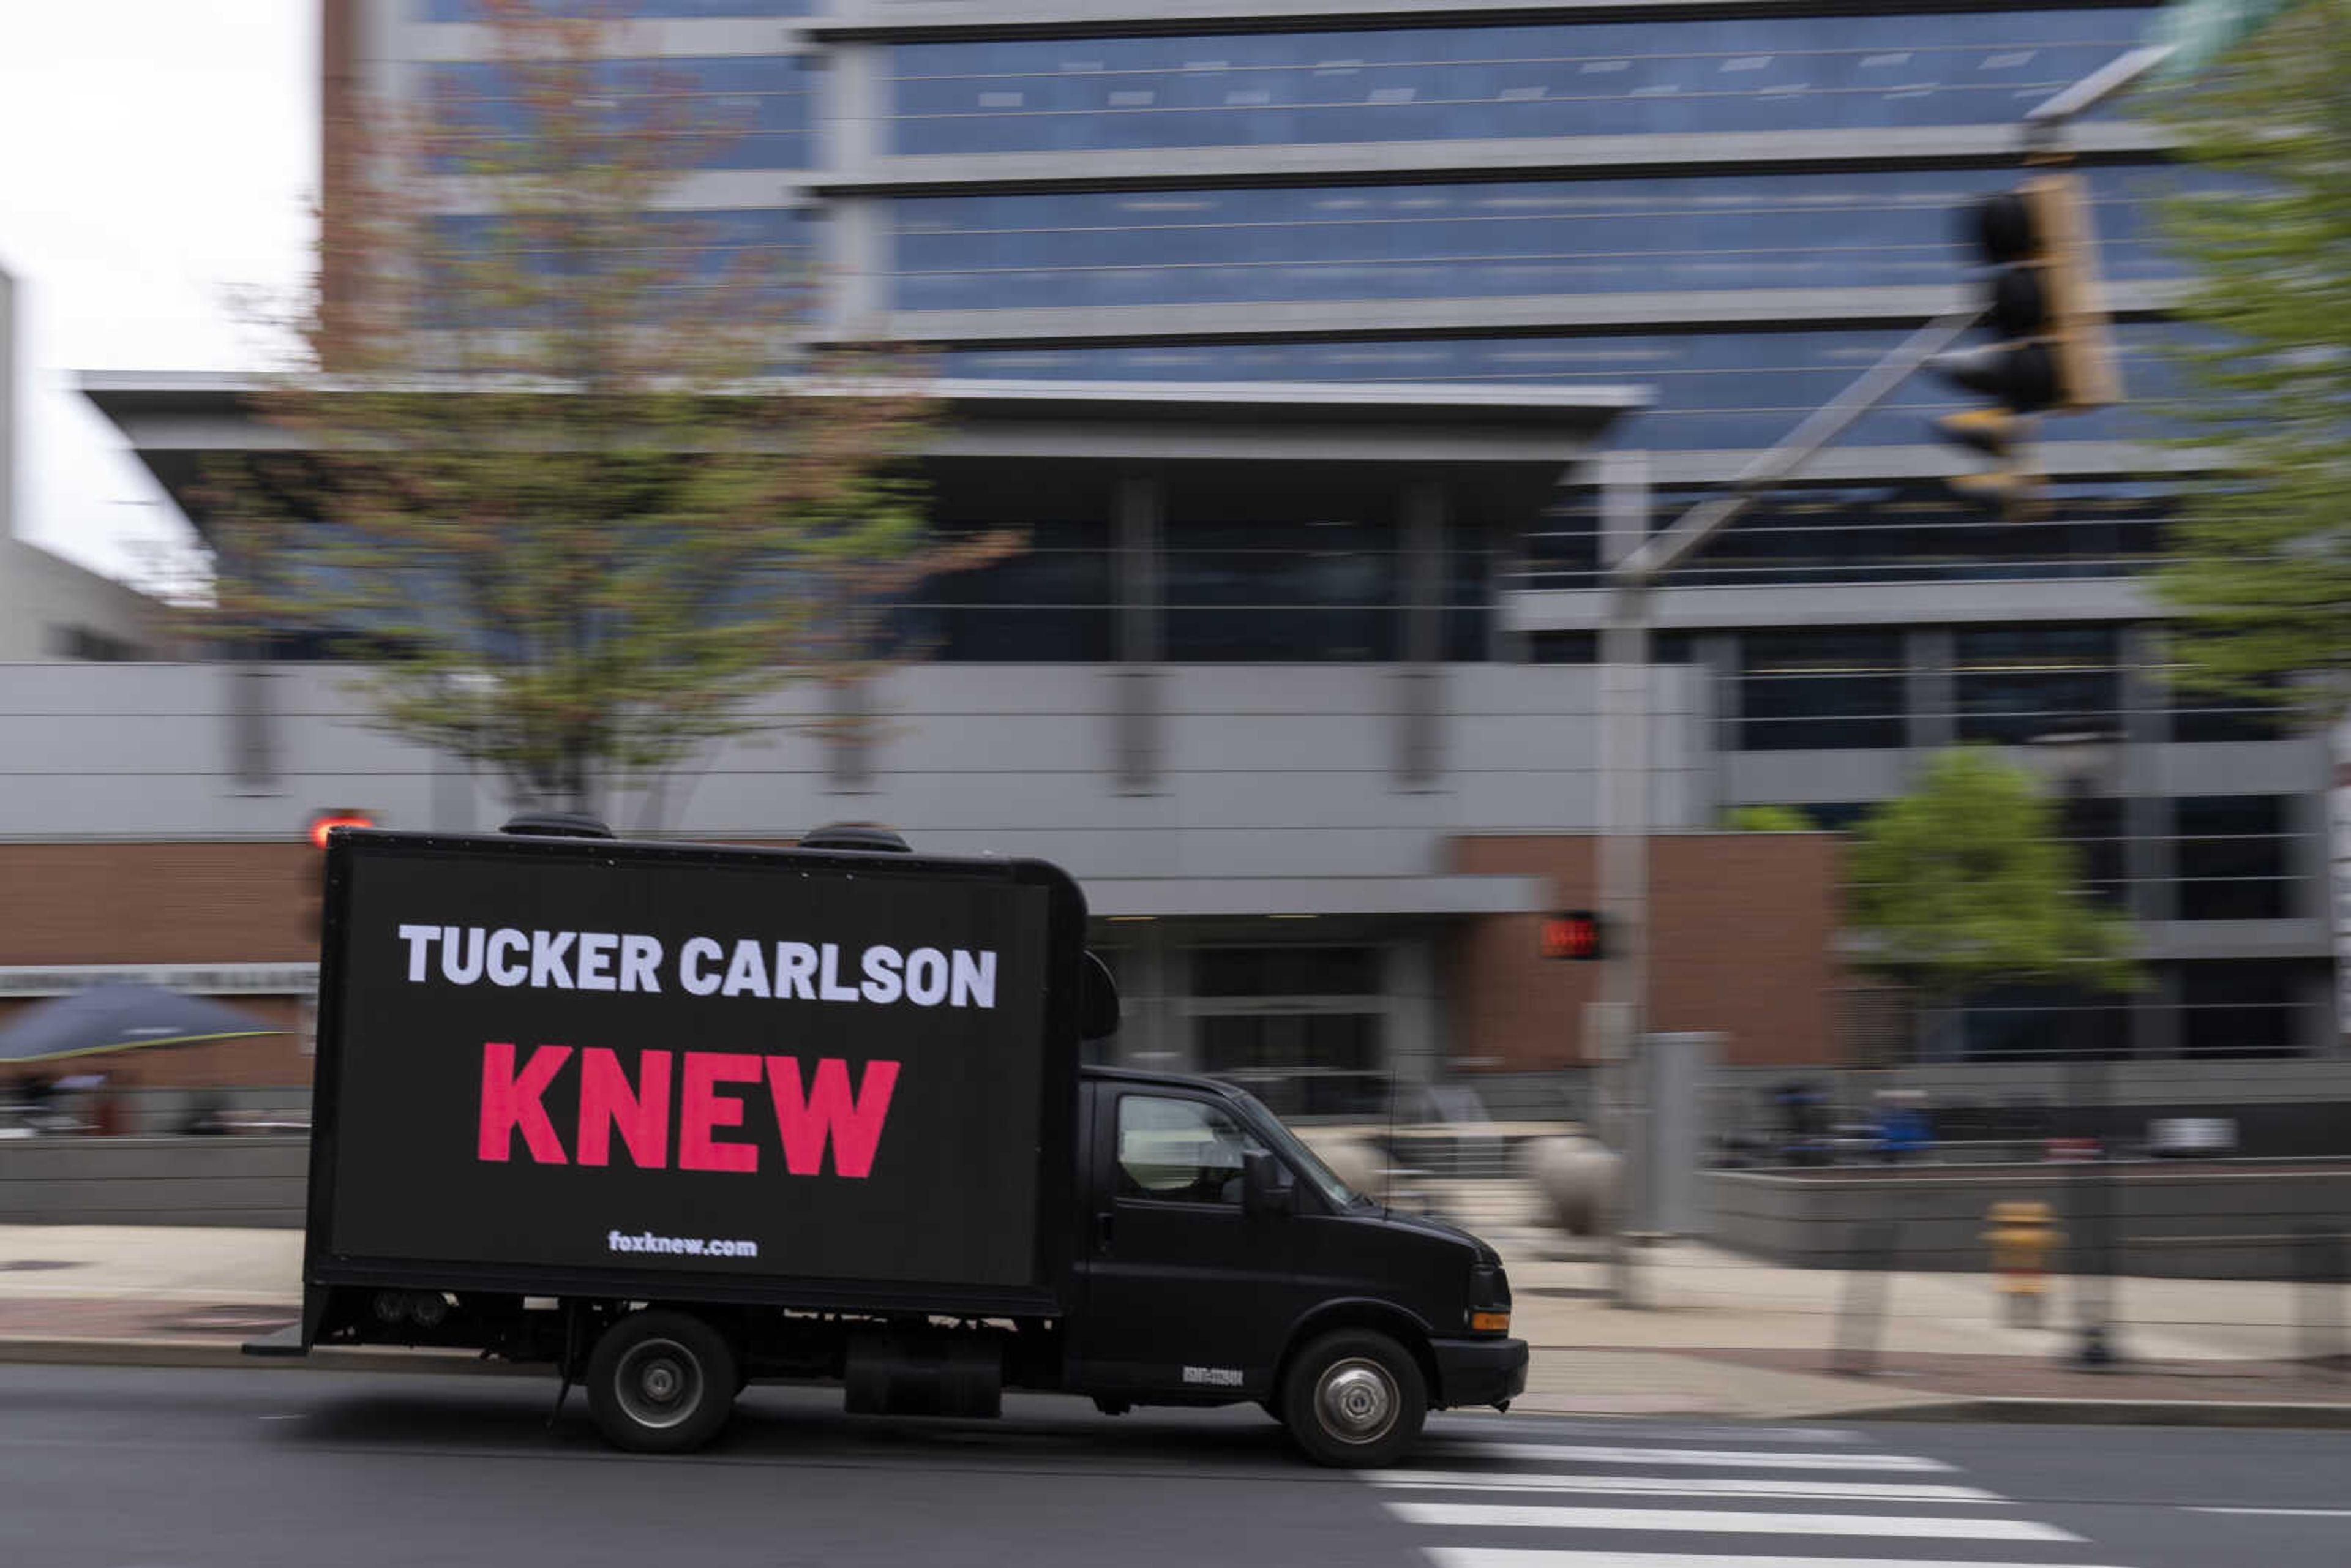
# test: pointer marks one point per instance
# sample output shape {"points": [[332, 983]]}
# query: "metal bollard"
{"points": [[2022, 1235]]}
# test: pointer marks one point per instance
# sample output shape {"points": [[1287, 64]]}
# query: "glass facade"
{"points": [[1820, 691], [1722, 74], [1823, 535], [646, 10], [732, 112], [1052, 601], [1861, 229], [1715, 391]]}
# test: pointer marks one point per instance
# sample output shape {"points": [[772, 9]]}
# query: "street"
{"points": [[117, 1466]]}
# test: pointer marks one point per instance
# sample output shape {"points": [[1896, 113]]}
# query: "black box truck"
{"points": [[670, 1118]]}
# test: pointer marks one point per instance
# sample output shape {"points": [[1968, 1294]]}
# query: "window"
{"points": [[1285, 971], [728, 111], [1209, 245], [1180, 1151], [2016, 684], [2242, 1007], [1286, 593], [87, 643], [1716, 391], [2208, 717], [1048, 603], [2096, 827], [2232, 857], [2043, 1023], [1820, 691], [1308, 1064], [1725, 74], [476, 10]]}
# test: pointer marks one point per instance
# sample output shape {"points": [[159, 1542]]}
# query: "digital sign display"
{"points": [[729, 1065]]}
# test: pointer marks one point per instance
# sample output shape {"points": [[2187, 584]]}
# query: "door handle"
{"points": [[1103, 1231]]}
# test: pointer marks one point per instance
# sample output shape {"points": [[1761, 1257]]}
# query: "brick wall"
{"points": [[169, 904], [1743, 947]]}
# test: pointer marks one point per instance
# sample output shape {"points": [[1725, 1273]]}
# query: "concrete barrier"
{"points": [[2227, 1221], [1577, 1178], [153, 1181]]}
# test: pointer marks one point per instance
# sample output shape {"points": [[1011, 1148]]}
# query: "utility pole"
{"points": [[1616, 1024], [1633, 559]]}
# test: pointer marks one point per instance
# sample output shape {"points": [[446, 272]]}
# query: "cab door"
{"points": [[1183, 1292]]}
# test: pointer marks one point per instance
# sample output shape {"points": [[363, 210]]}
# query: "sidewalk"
{"points": [[1724, 1336]]}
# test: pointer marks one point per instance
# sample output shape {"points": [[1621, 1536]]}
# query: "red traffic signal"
{"points": [[1574, 934], [326, 823]]}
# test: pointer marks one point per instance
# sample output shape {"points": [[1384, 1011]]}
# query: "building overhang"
{"points": [[1504, 445], [1276, 897]]}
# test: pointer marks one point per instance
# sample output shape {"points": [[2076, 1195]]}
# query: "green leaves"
{"points": [[1965, 883], [2260, 563]]}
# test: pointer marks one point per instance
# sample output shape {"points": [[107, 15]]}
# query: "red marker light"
{"points": [[1575, 934], [326, 823]]}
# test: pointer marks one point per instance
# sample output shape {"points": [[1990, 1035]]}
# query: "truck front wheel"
{"points": [[661, 1383], [1355, 1398]]}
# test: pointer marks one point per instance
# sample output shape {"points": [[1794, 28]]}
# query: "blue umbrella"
{"points": [[106, 1018]]}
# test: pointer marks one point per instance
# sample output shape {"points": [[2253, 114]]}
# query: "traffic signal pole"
{"points": [[1617, 1022], [1633, 559]]}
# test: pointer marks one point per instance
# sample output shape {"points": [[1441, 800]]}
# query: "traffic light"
{"points": [[1576, 935], [311, 907], [2054, 353]]}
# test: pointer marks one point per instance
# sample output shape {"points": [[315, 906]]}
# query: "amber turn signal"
{"points": [[1490, 1322]]}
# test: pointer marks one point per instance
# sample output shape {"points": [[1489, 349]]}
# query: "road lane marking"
{"points": [[2284, 1513], [1509, 1557], [1476, 1515], [1711, 1458], [1676, 1486], [1527, 1425]]}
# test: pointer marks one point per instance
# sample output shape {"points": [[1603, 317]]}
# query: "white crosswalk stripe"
{"points": [[1678, 1486], [1709, 1459], [1636, 1503], [1721, 1522], [1502, 1557]]}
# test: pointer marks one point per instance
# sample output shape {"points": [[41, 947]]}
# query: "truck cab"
{"points": [[1220, 1261]]}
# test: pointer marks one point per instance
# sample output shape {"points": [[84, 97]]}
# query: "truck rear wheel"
{"points": [[1355, 1398], [661, 1383]]}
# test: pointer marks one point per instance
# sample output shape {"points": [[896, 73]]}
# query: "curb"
{"points": [[62, 1349], [2117, 1412]]}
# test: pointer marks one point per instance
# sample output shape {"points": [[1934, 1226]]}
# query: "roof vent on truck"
{"points": [[868, 836], [556, 825]]}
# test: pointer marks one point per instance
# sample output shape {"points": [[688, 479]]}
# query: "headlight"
{"points": [[1489, 1299]]}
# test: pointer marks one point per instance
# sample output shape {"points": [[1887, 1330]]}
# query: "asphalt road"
{"points": [[136, 1467]]}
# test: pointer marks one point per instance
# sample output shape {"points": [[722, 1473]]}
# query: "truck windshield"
{"points": [[1291, 1147]]}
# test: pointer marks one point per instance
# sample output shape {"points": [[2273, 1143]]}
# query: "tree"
{"points": [[1965, 884], [2260, 562], [534, 459]]}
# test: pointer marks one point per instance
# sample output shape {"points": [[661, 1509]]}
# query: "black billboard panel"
{"points": [[607, 1059]]}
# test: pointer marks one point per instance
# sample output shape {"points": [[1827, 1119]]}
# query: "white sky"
{"points": [[156, 156]]}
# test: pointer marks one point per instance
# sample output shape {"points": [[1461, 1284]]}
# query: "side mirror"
{"points": [[1267, 1185], [1097, 1001]]}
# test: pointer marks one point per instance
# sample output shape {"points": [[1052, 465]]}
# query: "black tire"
{"points": [[1354, 1399], [1272, 1406], [661, 1383]]}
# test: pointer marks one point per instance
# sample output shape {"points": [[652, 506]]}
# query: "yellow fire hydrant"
{"points": [[2023, 1237]]}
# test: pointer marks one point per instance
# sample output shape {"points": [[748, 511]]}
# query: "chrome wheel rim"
{"points": [[659, 1384], [1356, 1400]]}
